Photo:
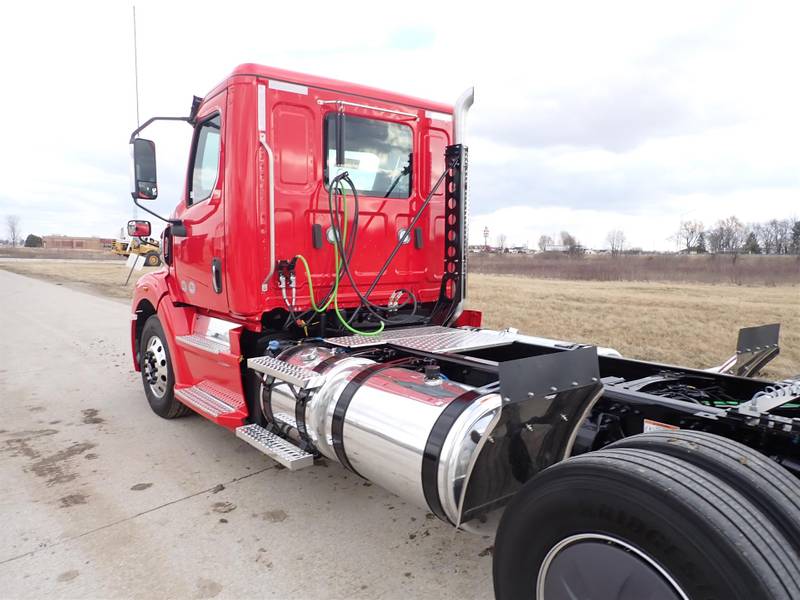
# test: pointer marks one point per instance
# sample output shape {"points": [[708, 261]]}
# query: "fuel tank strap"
{"points": [[339, 412], [433, 449], [302, 400]]}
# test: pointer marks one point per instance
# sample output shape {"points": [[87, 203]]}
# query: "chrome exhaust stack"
{"points": [[460, 110]]}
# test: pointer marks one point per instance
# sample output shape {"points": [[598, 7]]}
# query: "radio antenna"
{"points": [[136, 84], [136, 66]]}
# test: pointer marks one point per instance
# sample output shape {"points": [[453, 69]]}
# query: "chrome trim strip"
{"points": [[341, 103], [439, 116], [262, 139], [262, 108], [284, 86]]}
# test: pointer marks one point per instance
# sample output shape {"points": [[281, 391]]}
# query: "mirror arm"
{"points": [[173, 222], [153, 120]]}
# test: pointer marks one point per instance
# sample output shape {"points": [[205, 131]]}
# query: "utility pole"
{"points": [[485, 239]]}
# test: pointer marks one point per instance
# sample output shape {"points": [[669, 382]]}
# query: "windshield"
{"points": [[377, 155]]}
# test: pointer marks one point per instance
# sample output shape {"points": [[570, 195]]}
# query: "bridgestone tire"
{"points": [[764, 482], [165, 406], [710, 539]]}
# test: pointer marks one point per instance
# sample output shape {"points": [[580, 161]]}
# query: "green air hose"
{"points": [[334, 297]]}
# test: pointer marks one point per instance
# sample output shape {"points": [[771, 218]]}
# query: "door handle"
{"points": [[216, 275]]}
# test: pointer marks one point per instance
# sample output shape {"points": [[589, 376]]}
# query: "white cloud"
{"points": [[588, 116]]}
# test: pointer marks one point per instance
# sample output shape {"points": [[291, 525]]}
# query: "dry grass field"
{"points": [[686, 324], [679, 323], [106, 278], [737, 269], [60, 253]]}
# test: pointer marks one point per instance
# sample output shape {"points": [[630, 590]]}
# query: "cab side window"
{"points": [[205, 162]]}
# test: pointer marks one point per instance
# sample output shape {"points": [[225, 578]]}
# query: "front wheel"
{"points": [[626, 524], [157, 375], [152, 259]]}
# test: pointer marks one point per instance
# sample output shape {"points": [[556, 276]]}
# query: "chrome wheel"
{"points": [[600, 567], [156, 366]]}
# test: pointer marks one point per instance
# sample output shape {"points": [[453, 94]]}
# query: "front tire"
{"points": [[624, 524], [158, 376]]}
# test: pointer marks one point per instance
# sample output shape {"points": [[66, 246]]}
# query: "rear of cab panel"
{"points": [[294, 123]]}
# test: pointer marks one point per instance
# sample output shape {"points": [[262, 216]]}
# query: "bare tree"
{"points": [[501, 242], [777, 236], [728, 235], [12, 224], [783, 236], [616, 241], [796, 237], [544, 242], [714, 240], [689, 234]]}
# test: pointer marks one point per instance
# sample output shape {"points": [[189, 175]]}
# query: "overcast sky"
{"points": [[588, 116]]}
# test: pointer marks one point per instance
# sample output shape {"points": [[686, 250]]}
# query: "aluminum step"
{"points": [[277, 448], [285, 419], [284, 371], [205, 401], [203, 342]]}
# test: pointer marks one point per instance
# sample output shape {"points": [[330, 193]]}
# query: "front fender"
{"points": [[147, 294]]}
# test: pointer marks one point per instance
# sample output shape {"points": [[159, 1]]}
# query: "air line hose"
{"points": [[334, 296]]}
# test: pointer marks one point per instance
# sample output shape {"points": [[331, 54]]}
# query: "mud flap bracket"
{"points": [[545, 399]]}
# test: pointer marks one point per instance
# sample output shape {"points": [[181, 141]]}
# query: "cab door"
{"points": [[200, 254]]}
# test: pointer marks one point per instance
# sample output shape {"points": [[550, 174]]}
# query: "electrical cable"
{"points": [[365, 303], [343, 251], [340, 258], [405, 235]]}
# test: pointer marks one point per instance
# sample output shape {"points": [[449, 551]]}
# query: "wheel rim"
{"points": [[155, 366], [600, 567]]}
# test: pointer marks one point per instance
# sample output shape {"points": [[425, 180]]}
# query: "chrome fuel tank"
{"points": [[412, 434]]}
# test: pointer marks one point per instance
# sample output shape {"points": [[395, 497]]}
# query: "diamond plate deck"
{"points": [[277, 448], [284, 371], [429, 339], [455, 340], [358, 341]]}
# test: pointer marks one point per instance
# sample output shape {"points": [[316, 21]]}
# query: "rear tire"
{"points": [[623, 524], [764, 482], [158, 376], [152, 259]]}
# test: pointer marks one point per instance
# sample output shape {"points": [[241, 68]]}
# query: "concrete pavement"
{"points": [[100, 498]]}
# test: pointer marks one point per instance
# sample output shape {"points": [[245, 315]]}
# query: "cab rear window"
{"points": [[377, 155]]}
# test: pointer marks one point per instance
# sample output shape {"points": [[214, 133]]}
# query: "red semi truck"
{"points": [[312, 302]]}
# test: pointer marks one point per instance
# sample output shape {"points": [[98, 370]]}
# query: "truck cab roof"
{"points": [[303, 79]]}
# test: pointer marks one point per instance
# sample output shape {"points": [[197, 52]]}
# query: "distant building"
{"points": [[67, 242]]}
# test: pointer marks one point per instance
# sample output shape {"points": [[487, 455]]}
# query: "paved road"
{"points": [[101, 498]]}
